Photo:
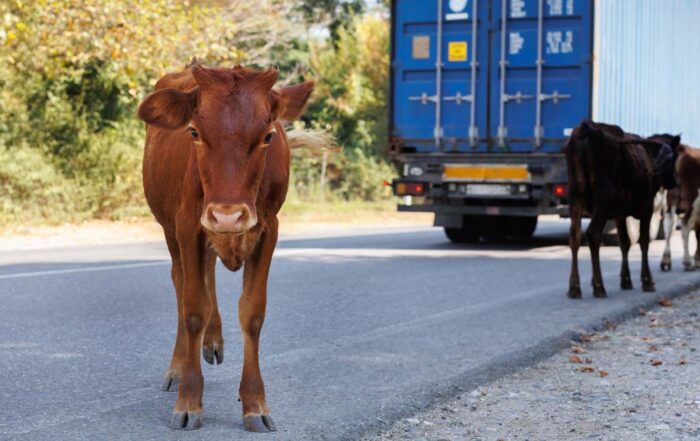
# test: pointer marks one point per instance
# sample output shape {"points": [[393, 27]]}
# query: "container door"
{"points": [[540, 73], [440, 97]]}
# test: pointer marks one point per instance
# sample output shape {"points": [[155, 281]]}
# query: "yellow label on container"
{"points": [[457, 51]]}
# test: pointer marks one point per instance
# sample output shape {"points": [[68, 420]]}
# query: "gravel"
{"points": [[634, 382]]}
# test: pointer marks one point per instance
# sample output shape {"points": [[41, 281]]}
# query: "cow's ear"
{"points": [[675, 142], [168, 108], [291, 101]]}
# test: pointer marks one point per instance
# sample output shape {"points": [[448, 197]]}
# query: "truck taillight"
{"points": [[559, 190], [409, 188]]}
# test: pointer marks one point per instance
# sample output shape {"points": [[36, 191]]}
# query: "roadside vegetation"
{"points": [[72, 73]]}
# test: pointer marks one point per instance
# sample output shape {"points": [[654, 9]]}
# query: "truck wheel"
{"points": [[462, 235], [521, 227]]}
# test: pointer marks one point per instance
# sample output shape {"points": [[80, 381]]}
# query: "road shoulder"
{"points": [[632, 382]]}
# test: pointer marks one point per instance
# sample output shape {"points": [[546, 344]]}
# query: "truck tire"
{"points": [[462, 235], [521, 227]]}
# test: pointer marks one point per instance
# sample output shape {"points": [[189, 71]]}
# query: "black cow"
{"points": [[612, 175]]}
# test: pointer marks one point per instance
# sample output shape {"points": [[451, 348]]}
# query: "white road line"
{"points": [[81, 270]]}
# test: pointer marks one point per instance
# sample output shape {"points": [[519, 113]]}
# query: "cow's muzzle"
{"points": [[235, 218]]}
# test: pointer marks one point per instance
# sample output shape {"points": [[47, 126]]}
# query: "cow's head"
{"points": [[229, 118], [665, 154]]}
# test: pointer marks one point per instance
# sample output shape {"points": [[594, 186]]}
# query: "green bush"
{"points": [[73, 71]]}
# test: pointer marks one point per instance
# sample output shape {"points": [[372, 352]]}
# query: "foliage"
{"points": [[73, 71], [351, 101]]}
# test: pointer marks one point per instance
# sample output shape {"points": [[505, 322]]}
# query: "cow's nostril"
{"points": [[227, 218]]}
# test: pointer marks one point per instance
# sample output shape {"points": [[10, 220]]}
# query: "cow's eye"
{"points": [[194, 133], [268, 137]]}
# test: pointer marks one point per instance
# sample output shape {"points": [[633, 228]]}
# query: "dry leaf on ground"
{"points": [[578, 350]]}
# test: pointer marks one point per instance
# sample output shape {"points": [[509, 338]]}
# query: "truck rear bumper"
{"points": [[527, 211]]}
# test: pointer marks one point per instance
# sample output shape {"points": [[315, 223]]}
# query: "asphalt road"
{"points": [[361, 330]]}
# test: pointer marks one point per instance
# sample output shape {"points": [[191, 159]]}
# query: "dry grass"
{"points": [[295, 219]]}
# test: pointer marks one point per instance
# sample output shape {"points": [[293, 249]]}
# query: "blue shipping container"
{"points": [[467, 74]]}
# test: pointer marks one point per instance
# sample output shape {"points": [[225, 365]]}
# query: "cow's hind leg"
{"points": [[574, 244], [173, 373], [690, 221], [251, 314], [697, 246], [688, 263], [625, 244], [647, 280], [669, 226], [213, 345], [594, 233]]}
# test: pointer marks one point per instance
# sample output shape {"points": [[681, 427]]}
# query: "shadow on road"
{"points": [[425, 240]]}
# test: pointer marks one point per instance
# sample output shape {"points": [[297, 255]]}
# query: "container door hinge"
{"points": [[424, 98], [518, 97], [458, 98], [554, 96]]}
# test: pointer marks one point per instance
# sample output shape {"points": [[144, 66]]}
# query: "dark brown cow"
{"points": [[685, 201], [215, 173], [612, 175]]}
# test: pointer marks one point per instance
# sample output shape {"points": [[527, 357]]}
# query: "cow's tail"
{"points": [[317, 140]]}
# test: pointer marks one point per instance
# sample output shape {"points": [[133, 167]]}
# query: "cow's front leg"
{"points": [[647, 280], [251, 314], [669, 226], [625, 244], [213, 346], [196, 310], [594, 233]]}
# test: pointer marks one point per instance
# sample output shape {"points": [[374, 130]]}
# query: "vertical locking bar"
{"points": [[473, 129], [438, 79], [540, 61], [502, 130]]}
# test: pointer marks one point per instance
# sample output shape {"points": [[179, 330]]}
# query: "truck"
{"points": [[484, 94]]}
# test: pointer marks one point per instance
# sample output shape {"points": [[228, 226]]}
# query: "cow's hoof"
{"points": [[170, 382], [626, 284], [214, 352], [688, 266], [259, 423], [187, 420], [574, 292], [599, 292], [665, 266], [648, 287]]}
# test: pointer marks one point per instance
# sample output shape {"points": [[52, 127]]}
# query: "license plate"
{"points": [[488, 190]]}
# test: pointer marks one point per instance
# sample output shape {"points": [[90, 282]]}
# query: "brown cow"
{"points": [[612, 175], [215, 173], [683, 200]]}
